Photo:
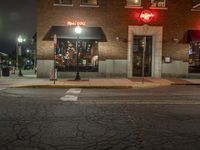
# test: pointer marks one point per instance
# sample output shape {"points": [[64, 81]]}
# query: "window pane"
{"points": [[133, 2], [63, 1], [158, 3], [89, 2], [66, 55], [194, 58]]}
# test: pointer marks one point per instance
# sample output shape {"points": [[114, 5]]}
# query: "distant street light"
{"points": [[78, 31], [20, 40]]}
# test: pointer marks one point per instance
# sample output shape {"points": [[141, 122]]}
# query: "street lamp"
{"points": [[78, 31], [19, 53]]}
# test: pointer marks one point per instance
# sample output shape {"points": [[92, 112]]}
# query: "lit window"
{"points": [[158, 3], [63, 2], [133, 2], [89, 2], [66, 55], [194, 57]]}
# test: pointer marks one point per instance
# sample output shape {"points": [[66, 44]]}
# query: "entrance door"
{"points": [[142, 56]]}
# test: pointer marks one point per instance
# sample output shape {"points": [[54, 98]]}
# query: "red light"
{"points": [[75, 23], [146, 16]]}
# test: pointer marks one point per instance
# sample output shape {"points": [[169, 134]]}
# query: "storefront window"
{"points": [[89, 2], [194, 57], [66, 56], [158, 3], [63, 2], [133, 2]]}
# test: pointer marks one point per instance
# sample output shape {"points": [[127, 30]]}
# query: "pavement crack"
{"points": [[80, 132]]}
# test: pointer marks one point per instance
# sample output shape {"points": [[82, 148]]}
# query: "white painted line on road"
{"points": [[74, 91], [72, 95], [69, 98]]}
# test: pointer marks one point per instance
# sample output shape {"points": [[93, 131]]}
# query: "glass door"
{"points": [[142, 56], [194, 57]]}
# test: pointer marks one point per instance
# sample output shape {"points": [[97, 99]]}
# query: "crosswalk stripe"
{"points": [[69, 98], [71, 94], [74, 91]]}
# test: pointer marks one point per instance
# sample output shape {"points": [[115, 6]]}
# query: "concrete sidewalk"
{"points": [[32, 81]]}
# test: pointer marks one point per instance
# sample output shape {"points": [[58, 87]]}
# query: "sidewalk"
{"points": [[32, 81]]}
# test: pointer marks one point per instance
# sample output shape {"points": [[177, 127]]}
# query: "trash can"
{"points": [[5, 71]]}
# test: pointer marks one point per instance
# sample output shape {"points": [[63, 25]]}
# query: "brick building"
{"points": [[121, 38]]}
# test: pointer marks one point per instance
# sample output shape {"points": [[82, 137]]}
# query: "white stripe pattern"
{"points": [[71, 95]]}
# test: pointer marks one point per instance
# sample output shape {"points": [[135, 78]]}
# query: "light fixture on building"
{"points": [[117, 38], [136, 1], [176, 40]]}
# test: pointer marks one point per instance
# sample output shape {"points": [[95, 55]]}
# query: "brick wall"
{"points": [[114, 19]]}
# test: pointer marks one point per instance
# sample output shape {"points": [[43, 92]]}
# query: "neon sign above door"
{"points": [[146, 16], [75, 23]]}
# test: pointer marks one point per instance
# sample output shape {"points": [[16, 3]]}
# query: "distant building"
{"points": [[3, 61], [3, 57], [123, 38]]}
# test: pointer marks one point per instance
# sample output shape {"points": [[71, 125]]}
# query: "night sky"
{"points": [[16, 17]]}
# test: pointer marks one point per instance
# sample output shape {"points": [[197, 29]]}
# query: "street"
{"points": [[162, 118]]}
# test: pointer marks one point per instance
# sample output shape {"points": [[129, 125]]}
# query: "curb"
{"points": [[134, 86], [74, 86], [185, 83]]}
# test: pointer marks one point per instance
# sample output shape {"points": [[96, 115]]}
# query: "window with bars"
{"points": [[133, 2], [89, 2], [63, 2], [158, 3]]}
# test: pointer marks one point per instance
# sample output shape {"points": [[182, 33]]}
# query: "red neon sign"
{"points": [[75, 23], [146, 16]]}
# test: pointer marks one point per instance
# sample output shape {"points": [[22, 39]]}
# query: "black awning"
{"points": [[88, 33], [193, 36]]}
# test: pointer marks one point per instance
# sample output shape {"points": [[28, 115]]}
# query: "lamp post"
{"points": [[20, 40], [78, 31]]}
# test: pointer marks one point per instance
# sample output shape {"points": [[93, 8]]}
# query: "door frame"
{"points": [[157, 35], [143, 56]]}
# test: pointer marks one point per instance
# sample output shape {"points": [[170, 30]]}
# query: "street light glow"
{"points": [[78, 30], [20, 39], [19, 53]]}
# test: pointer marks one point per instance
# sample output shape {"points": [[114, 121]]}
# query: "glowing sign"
{"points": [[146, 16], [75, 23]]}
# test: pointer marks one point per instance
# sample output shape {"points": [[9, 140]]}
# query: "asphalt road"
{"points": [[164, 118]]}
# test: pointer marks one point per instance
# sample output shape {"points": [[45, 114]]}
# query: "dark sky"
{"points": [[16, 17]]}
